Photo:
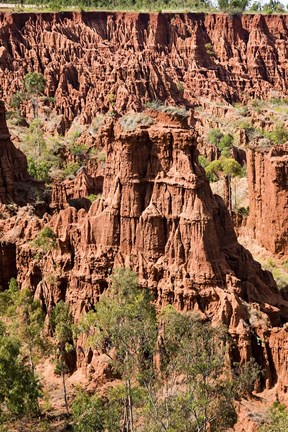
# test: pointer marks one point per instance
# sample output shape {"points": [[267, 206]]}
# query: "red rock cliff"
{"points": [[13, 165], [268, 197], [158, 215], [88, 59]]}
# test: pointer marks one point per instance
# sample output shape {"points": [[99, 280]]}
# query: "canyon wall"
{"points": [[14, 178], [156, 212], [268, 197], [92, 61]]}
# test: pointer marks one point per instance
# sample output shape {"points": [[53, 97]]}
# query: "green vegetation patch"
{"points": [[131, 121]]}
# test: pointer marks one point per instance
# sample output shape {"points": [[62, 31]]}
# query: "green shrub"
{"points": [[169, 109], [130, 122], [78, 149], [111, 99], [243, 211], [94, 197], [279, 272], [180, 87], [278, 421], [203, 161], [39, 170], [16, 118], [226, 142], [279, 135], [101, 157], [34, 140], [88, 413], [16, 100], [71, 169], [74, 136], [214, 136], [210, 49], [45, 240], [34, 83]]}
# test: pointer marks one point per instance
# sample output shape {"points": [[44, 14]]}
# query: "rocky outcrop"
{"points": [[268, 197], [13, 166], [99, 60], [154, 210], [82, 186], [157, 214]]}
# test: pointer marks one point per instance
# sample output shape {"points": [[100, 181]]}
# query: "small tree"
{"points": [[45, 241], [229, 168], [273, 6], [26, 322], [126, 321], [88, 413], [233, 5], [196, 390], [214, 136], [176, 373], [279, 135], [16, 100], [19, 390], [35, 138], [34, 85], [225, 144], [62, 323]]}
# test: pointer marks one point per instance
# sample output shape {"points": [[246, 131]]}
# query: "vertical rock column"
{"points": [[268, 197], [13, 163]]}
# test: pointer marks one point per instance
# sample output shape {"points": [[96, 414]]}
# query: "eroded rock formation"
{"points": [[268, 197], [13, 166], [94, 60], [154, 209], [158, 215]]}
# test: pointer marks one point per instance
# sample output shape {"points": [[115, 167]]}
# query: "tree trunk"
{"points": [[33, 372], [65, 392], [228, 193], [130, 407]]}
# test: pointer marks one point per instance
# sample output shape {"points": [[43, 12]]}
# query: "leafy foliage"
{"points": [[35, 138], [278, 419], [71, 169], [26, 320], [169, 109], [233, 5], [279, 135], [196, 395], [39, 169], [88, 413], [204, 162], [34, 83], [19, 388], [16, 100], [62, 324], [214, 136], [124, 319], [225, 166], [21, 339], [45, 241], [189, 390]]}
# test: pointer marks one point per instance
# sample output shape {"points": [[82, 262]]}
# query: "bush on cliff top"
{"points": [[130, 122], [169, 109]]}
